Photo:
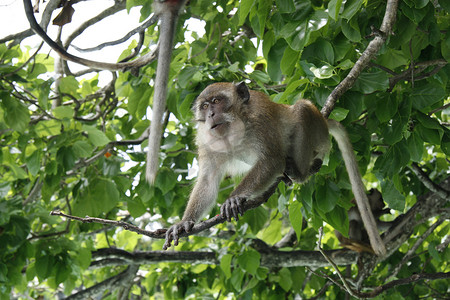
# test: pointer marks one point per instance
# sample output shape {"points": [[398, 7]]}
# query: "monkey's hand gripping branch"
{"points": [[231, 208]]}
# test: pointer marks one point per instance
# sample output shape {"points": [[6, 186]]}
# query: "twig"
{"points": [[444, 194], [141, 61], [124, 225], [139, 29], [344, 281], [413, 249]]}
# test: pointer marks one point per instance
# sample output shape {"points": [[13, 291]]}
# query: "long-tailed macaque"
{"points": [[243, 132], [357, 235]]}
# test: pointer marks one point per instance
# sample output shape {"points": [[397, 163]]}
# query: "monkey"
{"points": [[241, 131], [357, 236], [168, 14]]}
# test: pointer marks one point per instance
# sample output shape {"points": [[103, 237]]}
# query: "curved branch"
{"points": [[139, 29], [142, 61], [118, 6], [45, 20], [371, 50]]}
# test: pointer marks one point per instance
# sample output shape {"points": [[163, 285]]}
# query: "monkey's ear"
{"points": [[242, 91]]}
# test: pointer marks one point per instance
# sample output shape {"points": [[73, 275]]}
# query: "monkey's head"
{"points": [[219, 106]]}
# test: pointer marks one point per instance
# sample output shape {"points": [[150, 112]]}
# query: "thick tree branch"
{"points": [[368, 54], [110, 283], [269, 257]]}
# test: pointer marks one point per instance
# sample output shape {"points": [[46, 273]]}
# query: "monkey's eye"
{"points": [[204, 106], [215, 100]]}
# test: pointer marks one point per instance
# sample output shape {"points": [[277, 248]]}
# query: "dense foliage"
{"points": [[70, 144]]}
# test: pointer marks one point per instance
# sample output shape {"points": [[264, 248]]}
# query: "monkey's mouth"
{"points": [[215, 126]]}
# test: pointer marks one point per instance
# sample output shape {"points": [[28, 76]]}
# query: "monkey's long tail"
{"points": [[340, 135]]}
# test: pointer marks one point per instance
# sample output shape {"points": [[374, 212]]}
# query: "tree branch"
{"points": [[142, 61], [110, 283], [139, 29], [370, 52], [270, 258]]}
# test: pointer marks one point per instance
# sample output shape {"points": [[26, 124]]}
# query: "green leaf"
{"points": [[351, 31], [285, 279], [48, 128], [68, 85], [289, 60], [16, 114], [272, 233], [99, 197], [445, 143], [244, 9], [84, 258], [392, 196], [63, 112], [95, 136], [82, 149], [393, 133], [393, 59], [44, 265], [415, 146], [139, 100], [334, 6], [186, 76], [339, 114], [338, 218], [3, 273], [327, 196], [324, 72], [386, 108], [237, 278], [295, 217], [274, 60], [429, 135], [66, 157], [351, 7], [433, 252], [249, 261], [320, 51], [256, 218], [34, 162], [427, 95], [136, 207], [291, 88], [166, 180], [367, 83], [259, 76], [62, 271], [285, 6], [225, 265]]}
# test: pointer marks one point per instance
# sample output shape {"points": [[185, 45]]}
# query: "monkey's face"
{"points": [[216, 119], [213, 109]]}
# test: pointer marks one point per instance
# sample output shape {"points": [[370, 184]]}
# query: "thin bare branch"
{"points": [[153, 19], [142, 61]]}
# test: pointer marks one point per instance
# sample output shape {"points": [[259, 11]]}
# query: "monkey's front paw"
{"points": [[232, 207], [174, 230]]}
